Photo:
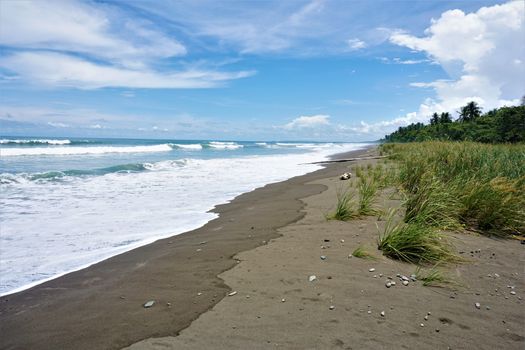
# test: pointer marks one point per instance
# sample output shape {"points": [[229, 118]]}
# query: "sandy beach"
{"points": [[264, 247]]}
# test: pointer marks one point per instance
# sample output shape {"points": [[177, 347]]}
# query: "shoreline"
{"points": [[149, 240], [123, 283]]}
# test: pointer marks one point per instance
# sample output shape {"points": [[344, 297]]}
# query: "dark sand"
{"points": [[101, 307]]}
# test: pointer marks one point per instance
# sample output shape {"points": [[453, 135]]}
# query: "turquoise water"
{"points": [[69, 203]]}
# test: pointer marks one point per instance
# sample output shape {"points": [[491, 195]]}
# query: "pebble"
{"points": [[422, 325], [331, 307], [199, 294], [382, 314], [496, 275], [349, 256], [232, 294], [323, 257], [413, 277], [168, 304], [487, 307], [342, 241], [312, 278], [203, 242], [380, 275], [478, 305], [405, 278], [369, 312], [426, 318], [388, 284], [199, 250], [512, 292], [283, 300], [149, 304], [405, 283], [371, 269], [429, 313], [393, 283]]}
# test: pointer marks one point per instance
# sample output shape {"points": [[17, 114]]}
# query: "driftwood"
{"points": [[347, 160]]}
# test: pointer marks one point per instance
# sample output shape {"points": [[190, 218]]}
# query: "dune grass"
{"points": [[361, 253], [414, 242], [433, 277], [368, 188], [452, 185], [344, 209]]}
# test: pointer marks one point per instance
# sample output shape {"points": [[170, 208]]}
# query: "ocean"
{"points": [[69, 203]]}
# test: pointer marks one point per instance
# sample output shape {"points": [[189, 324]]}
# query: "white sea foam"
{"points": [[225, 145], [71, 150], [39, 141], [50, 228], [196, 146]]}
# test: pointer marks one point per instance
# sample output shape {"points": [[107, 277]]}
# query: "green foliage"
{"points": [[344, 210], [367, 187], [434, 277], [414, 242], [503, 125], [361, 253], [471, 184]]}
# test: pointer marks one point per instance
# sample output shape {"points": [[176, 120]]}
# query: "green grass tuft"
{"points": [[361, 253], [414, 242], [434, 277], [367, 196], [344, 210]]}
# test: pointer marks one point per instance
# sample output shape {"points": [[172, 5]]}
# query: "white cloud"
{"points": [[308, 122], [55, 69], [92, 45], [485, 45], [356, 44], [58, 125]]}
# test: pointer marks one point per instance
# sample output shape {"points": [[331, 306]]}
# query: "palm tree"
{"points": [[469, 112], [445, 118], [434, 120]]}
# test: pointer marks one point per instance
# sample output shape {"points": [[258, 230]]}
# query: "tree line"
{"points": [[500, 125]]}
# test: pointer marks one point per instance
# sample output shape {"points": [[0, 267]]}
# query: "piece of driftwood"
{"points": [[347, 160]]}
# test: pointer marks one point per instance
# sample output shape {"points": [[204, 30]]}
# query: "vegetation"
{"points": [[361, 253], [414, 242], [434, 277], [344, 210], [367, 196], [502, 125], [453, 185]]}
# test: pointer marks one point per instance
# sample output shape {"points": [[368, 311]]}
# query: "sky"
{"points": [[252, 70]]}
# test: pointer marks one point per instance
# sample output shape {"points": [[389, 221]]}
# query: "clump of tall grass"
{"points": [[453, 184], [368, 188], [344, 209], [414, 242], [361, 253]]}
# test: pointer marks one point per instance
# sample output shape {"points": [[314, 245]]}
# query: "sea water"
{"points": [[69, 203]]}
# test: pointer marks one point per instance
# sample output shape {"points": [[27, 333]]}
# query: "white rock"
{"points": [[422, 325], [405, 283], [232, 294], [382, 314], [149, 304], [393, 283], [426, 318], [312, 278], [512, 292], [283, 300], [371, 269], [478, 305], [388, 284], [331, 307]]}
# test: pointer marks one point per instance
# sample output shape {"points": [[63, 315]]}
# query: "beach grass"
{"points": [[344, 209], [453, 185], [368, 188], [414, 242], [362, 253], [432, 277]]}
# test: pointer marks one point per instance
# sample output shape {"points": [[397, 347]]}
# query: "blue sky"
{"points": [[252, 70]]}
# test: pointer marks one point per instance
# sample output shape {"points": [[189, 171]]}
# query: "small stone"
{"points": [[375, 276], [203, 242], [429, 313], [199, 250], [496, 275], [326, 240], [380, 275], [349, 256], [437, 330], [312, 278], [405, 278], [149, 304], [382, 314], [426, 318], [331, 307], [369, 312], [371, 269], [405, 283], [283, 300], [168, 304], [199, 294], [393, 283], [388, 284], [342, 241], [478, 305], [487, 307], [413, 277], [231, 294], [323, 257], [422, 325], [512, 292]]}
